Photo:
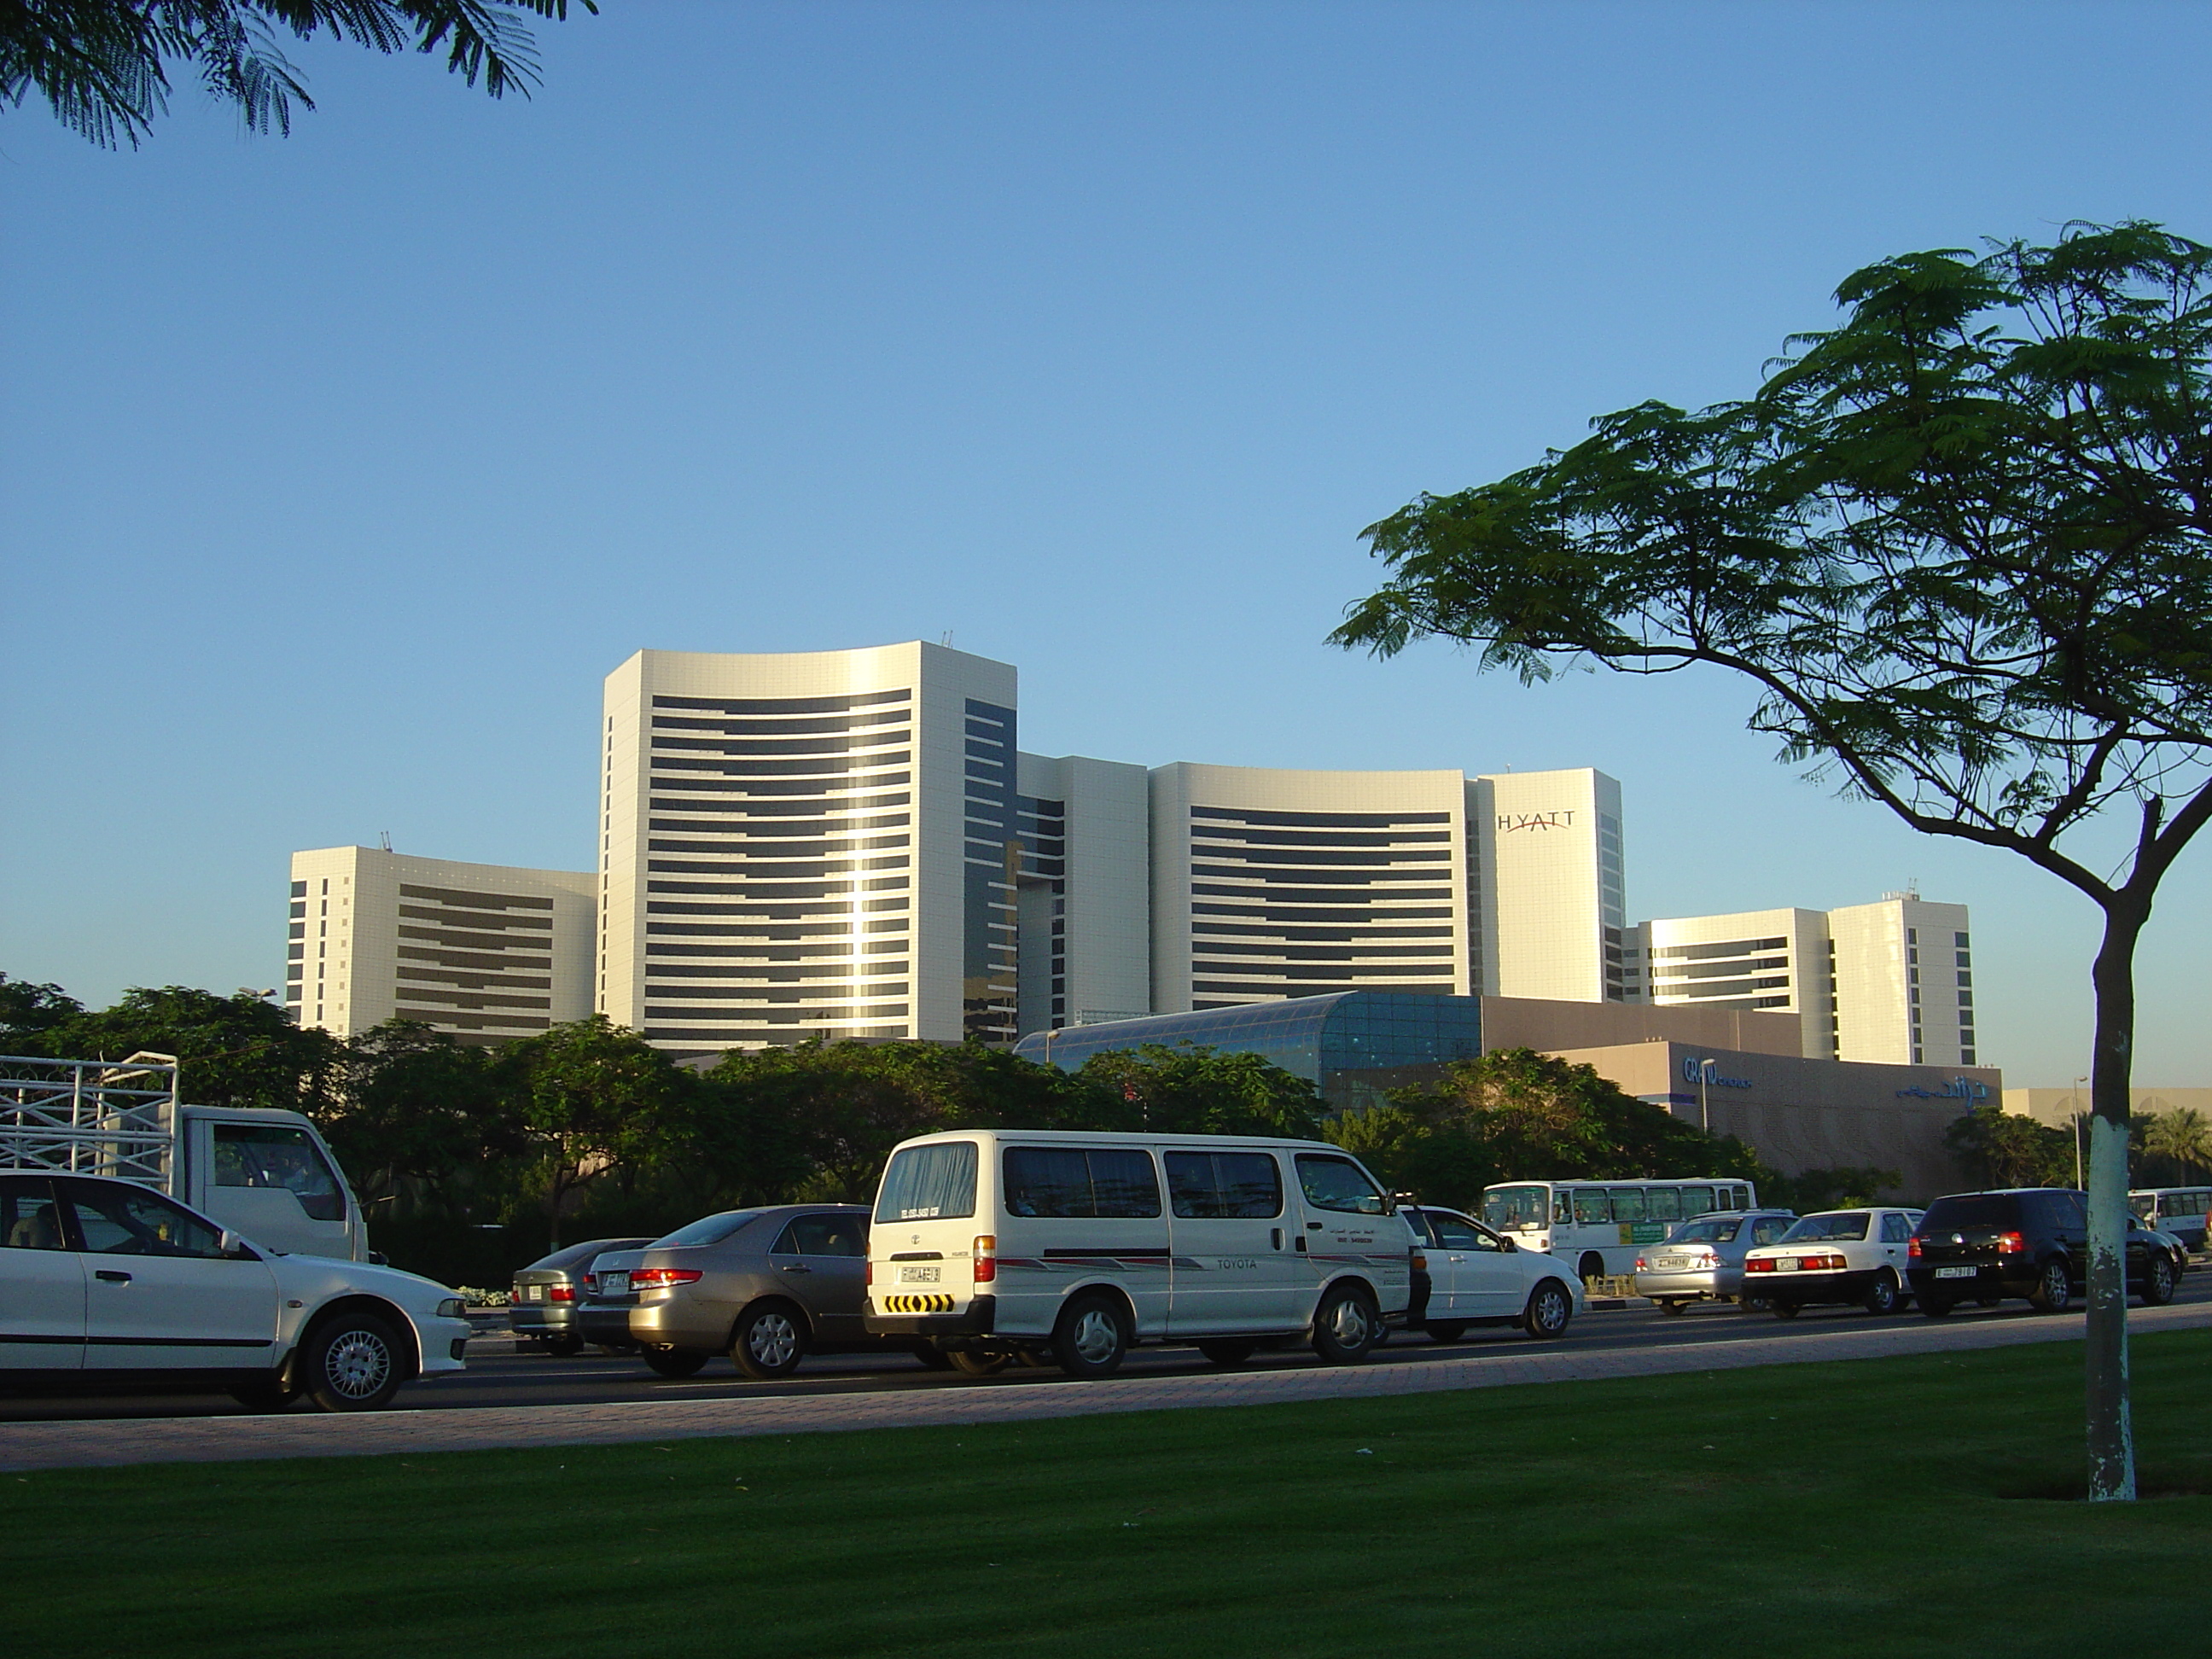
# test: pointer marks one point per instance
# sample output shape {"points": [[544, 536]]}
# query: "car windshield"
{"points": [[1706, 1230], [1507, 1208], [708, 1229], [1841, 1224]]}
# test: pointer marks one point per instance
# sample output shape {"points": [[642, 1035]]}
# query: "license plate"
{"points": [[616, 1283], [1669, 1262], [921, 1275], [1785, 1264], [535, 1292], [1957, 1272]]}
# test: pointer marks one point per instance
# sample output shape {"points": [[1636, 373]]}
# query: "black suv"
{"points": [[2031, 1242]]}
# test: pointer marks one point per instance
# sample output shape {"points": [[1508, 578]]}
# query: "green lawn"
{"points": [[1875, 1508]]}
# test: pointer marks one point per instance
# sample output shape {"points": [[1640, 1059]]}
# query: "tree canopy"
{"points": [[103, 65], [1961, 545]]}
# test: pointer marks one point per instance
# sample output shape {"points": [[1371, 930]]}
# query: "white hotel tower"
{"points": [[812, 843]]}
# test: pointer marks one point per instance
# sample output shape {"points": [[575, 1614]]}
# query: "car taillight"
{"points": [[1757, 1264], [590, 1284], [986, 1257], [1642, 1265], [1912, 1246], [515, 1296], [1822, 1264], [561, 1293], [2011, 1245], [646, 1278]]}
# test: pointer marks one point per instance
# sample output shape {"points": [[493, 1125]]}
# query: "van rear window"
{"points": [[1080, 1182], [929, 1183]]}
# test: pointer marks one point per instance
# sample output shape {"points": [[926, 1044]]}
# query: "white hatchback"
{"points": [[1477, 1277], [1835, 1256], [105, 1282]]}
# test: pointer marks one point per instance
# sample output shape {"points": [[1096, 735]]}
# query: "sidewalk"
{"points": [[170, 1440]]}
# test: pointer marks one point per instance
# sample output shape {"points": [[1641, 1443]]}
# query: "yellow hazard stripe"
{"points": [[939, 1304]]}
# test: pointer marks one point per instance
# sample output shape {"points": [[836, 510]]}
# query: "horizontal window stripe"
{"points": [[1318, 820], [785, 705]]}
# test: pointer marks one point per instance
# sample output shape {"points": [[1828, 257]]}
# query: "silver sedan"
{"points": [[1702, 1259]]}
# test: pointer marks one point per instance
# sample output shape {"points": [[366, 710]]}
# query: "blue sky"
{"points": [[336, 470]]}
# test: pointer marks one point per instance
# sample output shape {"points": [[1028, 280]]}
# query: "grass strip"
{"points": [[1902, 1506]]}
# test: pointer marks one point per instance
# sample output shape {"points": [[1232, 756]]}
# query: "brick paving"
{"points": [[111, 1442]]}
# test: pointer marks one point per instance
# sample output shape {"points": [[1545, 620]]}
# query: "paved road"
{"points": [[668, 1417]]}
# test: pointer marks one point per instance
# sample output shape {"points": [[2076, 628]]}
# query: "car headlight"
{"points": [[452, 1308]]}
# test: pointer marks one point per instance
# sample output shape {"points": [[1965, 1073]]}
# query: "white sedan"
{"points": [[104, 1282], [1836, 1255], [1477, 1277]]}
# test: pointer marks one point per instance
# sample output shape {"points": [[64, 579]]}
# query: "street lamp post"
{"points": [[1705, 1112]]}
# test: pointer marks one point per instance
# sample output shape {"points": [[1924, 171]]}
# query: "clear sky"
{"points": [[336, 470]]}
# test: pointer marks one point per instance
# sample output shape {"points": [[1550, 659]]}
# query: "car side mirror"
{"points": [[1508, 1246], [234, 1247]]}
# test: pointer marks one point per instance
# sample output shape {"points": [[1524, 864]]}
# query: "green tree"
{"points": [[102, 65], [2182, 1136], [29, 1011], [2005, 1149], [232, 1051], [1961, 545], [593, 1097], [1197, 1091], [415, 1104]]}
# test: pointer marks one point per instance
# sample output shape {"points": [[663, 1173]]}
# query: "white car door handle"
{"points": [[111, 1277]]}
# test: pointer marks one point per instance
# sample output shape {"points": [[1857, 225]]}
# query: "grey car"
{"points": [[1702, 1259], [548, 1292], [766, 1287]]}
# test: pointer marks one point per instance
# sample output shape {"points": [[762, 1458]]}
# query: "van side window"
{"points": [[1337, 1184], [1070, 1182], [1225, 1186]]}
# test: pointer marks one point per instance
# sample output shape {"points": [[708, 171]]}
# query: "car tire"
{"points": [[1445, 1330], [1752, 1305], [564, 1347], [1883, 1298], [1672, 1305], [1092, 1337], [2054, 1288], [932, 1357], [264, 1394], [970, 1363], [769, 1341], [1551, 1307], [2159, 1282], [351, 1362], [1592, 1266], [675, 1364], [1782, 1309], [1345, 1325], [1227, 1355]]}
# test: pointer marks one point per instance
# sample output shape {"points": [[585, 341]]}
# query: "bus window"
{"points": [[1667, 1204], [1628, 1203], [2145, 1205], [1695, 1200], [1515, 1209], [1592, 1208], [1738, 1198]]}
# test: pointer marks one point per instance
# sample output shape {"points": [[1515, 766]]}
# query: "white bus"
{"points": [[1598, 1224], [2177, 1210]]}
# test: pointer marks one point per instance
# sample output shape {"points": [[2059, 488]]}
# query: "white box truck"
{"points": [[264, 1174]]}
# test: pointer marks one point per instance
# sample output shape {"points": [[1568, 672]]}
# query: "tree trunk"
{"points": [[2111, 1433]]}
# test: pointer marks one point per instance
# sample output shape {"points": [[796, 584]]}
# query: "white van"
{"points": [[995, 1242]]}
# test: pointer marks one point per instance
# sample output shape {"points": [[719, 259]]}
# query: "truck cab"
{"points": [[269, 1175]]}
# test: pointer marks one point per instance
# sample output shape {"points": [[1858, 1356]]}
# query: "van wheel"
{"points": [[1445, 1330], [675, 1363], [769, 1342], [351, 1364], [1549, 1309], [1227, 1354], [2158, 1281], [2054, 1289], [1091, 1340], [968, 1362], [1345, 1326], [1882, 1298], [1592, 1266]]}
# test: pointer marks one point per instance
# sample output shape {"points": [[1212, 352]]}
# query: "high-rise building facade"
{"points": [[1776, 961], [486, 952], [1085, 944], [1890, 982], [1273, 884], [813, 843], [1550, 867]]}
